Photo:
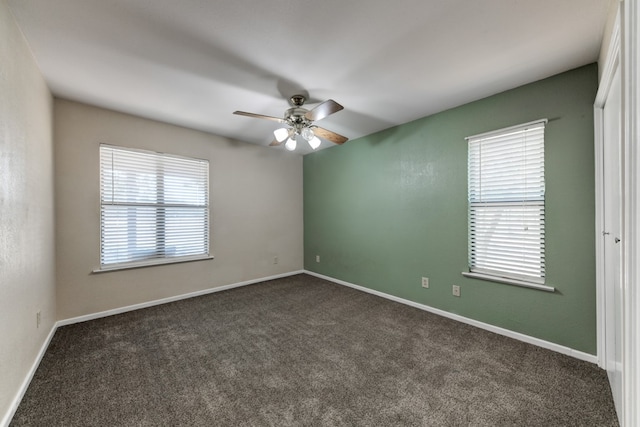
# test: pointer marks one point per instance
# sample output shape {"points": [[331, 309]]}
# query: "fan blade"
{"points": [[329, 136], [260, 116], [275, 143], [323, 110]]}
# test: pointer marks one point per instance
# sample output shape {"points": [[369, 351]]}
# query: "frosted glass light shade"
{"points": [[290, 144], [315, 142], [281, 134]]}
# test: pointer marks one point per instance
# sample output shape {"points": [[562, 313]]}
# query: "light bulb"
{"points": [[281, 134], [291, 143], [307, 134], [315, 142]]}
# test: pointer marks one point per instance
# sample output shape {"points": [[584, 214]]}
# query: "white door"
{"points": [[612, 233]]}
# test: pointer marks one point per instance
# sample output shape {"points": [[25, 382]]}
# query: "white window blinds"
{"points": [[154, 207], [506, 203]]}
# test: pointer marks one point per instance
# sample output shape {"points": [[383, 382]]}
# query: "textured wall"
{"points": [[26, 210], [384, 210], [256, 211]]}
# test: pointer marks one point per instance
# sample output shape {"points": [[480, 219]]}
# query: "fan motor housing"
{"points": [[295, 115]]}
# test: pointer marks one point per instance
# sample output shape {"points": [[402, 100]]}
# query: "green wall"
{"points": [[384, 210]]}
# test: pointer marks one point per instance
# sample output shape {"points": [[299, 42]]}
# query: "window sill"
{"points": [[130, 266], [506, 281]]}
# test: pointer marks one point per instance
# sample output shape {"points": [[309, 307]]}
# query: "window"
{"points": [[154, 208], [506, 205]]}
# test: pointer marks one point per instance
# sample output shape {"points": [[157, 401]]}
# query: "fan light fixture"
{"points": [[282, 134], [307, 134], [301, 123], [315, 142], [291, 143]]}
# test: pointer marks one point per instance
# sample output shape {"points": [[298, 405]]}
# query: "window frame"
{"points": [[504, 205], [159, 255]]}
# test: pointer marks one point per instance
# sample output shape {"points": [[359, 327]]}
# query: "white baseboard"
{"points": [[496, 329], [6, 419], [27, 380], [133, 307]]}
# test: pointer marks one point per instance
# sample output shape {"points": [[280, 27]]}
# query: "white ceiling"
{"points": [[194, 62]]}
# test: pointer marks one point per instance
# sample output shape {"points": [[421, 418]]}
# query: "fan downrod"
{"points": [[297, 100]]}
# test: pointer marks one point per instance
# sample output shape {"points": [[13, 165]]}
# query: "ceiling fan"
{"points": [[300, 122]]}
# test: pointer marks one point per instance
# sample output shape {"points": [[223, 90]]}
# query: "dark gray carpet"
{"points": [[301, 351]]}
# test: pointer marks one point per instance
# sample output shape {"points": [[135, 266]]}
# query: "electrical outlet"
{"points": [[275, 259], [317, 258], [425, 282], [456, 290], [37, 319]]}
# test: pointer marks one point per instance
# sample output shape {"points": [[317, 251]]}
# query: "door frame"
{"points": [[631, 226], [611, 66], [624, 52]]}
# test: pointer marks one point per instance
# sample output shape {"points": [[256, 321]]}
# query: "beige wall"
{"points": [[26, 211], [256, 211]]}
